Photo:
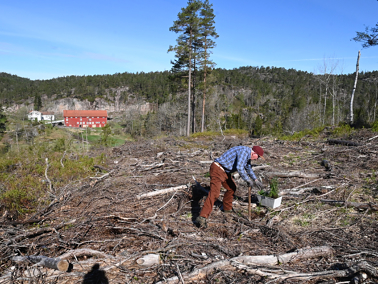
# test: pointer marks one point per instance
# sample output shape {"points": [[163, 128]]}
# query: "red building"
{"points": [[85, 118]]}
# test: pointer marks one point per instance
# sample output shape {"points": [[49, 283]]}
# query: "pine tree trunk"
{"points": [[204, 94], [203, 104], [189, 86], [194, 97]]}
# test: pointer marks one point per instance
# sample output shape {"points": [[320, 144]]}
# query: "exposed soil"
{"points": [[338, 209]]}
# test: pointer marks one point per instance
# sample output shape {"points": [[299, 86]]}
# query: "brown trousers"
{"points": [[218, 178]]}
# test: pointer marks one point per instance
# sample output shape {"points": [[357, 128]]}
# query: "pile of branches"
{"points": [[133, 221]]}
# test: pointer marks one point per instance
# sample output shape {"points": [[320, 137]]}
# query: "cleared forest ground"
{"points": [[325, 229]]}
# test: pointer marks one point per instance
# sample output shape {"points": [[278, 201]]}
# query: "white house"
{"points": [[45, 116]]}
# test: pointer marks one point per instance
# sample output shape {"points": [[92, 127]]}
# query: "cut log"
{"points": [[161, 191], [342, 142], [53, 263]]}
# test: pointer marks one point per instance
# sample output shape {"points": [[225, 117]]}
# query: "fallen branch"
{"points": [[362, 206], [200, 273], [292, 174], [102, 177], [295, 190], [61, 160], [47, 178], [372, 138], [153, 166], [342, 142], [161, 191], [35, 233], [167, 202], [281, 274], [139, 232], [85, 252], [206, 162]]}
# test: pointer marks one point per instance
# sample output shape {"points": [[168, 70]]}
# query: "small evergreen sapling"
{"points": [[273, 192], [273, 183]]}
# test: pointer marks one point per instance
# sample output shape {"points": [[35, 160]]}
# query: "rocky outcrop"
{"points": [[110, 103]]}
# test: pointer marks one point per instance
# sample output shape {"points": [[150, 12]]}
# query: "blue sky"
{"points": [[44, 39]]}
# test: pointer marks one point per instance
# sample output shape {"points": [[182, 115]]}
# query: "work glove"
{"points": [[201, 222], [249, 183], [259, 184]]}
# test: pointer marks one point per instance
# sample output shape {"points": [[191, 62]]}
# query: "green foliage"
{"points": [[48, 129], [61, 145], [37, 102], [258, 126], [374, 127], [307, 132], [301, 222], [100, 159], [289, 101], [206, 134], [106, 139], [26, 186], [342, 130], [235, 121], [22, 171], [3, 121], [369, 37], [273, 191], [273, 183]]}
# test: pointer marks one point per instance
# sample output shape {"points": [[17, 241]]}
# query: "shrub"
{"points": [[342, 129], [22, 172], [307, 132], [205, 134], [374, 127]]}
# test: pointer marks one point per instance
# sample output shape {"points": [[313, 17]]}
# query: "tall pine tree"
{"points": [[207, 30], [196, 27], [187, 25]]}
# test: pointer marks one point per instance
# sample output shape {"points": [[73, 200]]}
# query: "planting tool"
{"points": [[249, 203]]}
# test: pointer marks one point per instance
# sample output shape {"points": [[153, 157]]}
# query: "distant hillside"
{"points": [[285, 100]]}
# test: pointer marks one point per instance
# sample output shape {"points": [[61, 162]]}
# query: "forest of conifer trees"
{"points": [[283, 101]]}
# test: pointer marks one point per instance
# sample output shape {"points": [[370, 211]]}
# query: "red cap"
{"points": [[259, 151]]}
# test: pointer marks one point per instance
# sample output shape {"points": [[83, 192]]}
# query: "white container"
{"points": [[269, 202], [149, 260]]}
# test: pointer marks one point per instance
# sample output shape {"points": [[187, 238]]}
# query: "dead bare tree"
{"points": [[327, 70], [354, 89]]}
